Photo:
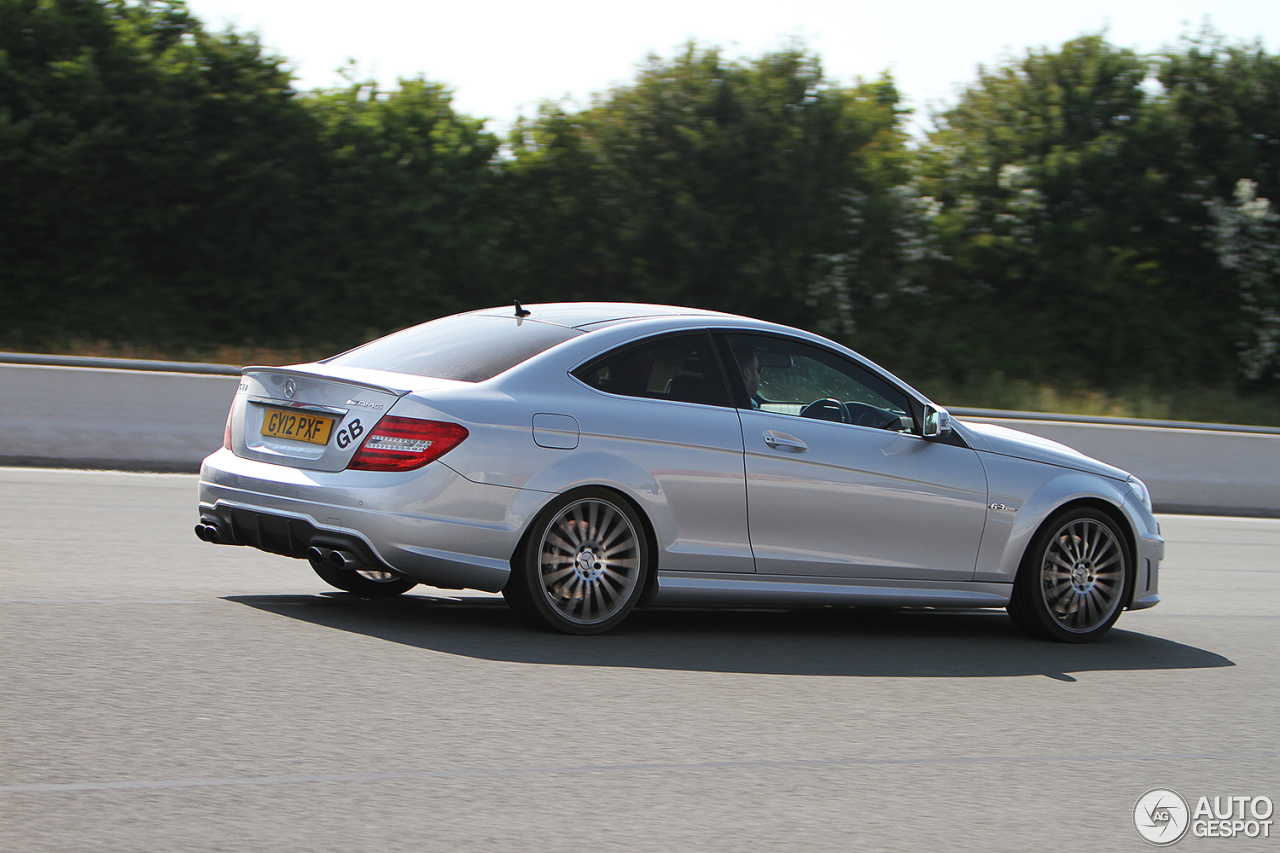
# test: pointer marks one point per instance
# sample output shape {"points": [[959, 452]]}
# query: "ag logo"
{"points": [[1161, 816]]}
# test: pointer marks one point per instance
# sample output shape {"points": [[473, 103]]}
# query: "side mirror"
{"points": [[937, 422]]}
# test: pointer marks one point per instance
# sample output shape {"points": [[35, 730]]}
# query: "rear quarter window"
{"points": [[468, 348], [682, 368]]}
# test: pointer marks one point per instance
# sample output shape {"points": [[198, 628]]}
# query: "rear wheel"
{"points": [[368, 583], [1073, 580], [584, 564]]}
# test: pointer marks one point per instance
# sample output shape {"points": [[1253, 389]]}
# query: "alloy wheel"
{"points": [[1083, 574], [589, 561]]}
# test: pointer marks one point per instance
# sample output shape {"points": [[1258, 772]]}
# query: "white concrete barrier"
{"points": [[1188, 469], [152, 418], [129, 420]]}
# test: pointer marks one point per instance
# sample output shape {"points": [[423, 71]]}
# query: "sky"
{"points": [[502, 58]]}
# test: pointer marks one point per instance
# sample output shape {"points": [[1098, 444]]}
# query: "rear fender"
{"points": [[580, 469]]}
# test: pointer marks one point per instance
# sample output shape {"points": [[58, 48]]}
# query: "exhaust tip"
{"points": [[343, 560], [208, 533], [317, 556]]}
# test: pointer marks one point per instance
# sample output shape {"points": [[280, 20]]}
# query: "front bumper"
{"points": [[1147, 574], [432, 525]]}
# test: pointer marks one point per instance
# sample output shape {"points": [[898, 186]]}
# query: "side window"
{"points": [[791, 377], [680, 367]]}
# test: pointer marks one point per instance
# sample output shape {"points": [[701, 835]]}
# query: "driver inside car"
{"points": [[750, 363]]}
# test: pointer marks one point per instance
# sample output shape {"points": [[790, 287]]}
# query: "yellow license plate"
{"points": [[300, 426]]}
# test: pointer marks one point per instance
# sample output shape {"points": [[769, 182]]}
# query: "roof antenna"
{"points": [[521, 311]]}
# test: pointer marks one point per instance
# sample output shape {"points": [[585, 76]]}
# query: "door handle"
{"points": [[782, 441]]}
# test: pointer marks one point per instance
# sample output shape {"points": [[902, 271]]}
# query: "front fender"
{"points": [[1023, 495]]}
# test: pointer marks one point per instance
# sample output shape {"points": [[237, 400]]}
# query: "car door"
{"points": [[839, 481]]}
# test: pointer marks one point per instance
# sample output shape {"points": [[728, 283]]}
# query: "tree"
{"points": [[154, 173], [1056, 177], [1224, 101], [411, 225], [1246, 238], [707, 182]]}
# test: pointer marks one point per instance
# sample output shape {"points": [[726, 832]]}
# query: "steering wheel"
{"points": [[826, 410], [865, 415]]}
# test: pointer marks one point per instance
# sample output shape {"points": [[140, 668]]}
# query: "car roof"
{"points": [[594, 315]]}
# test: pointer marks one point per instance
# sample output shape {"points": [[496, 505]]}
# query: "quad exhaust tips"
{"points": [[333, 558], [321, 558]]}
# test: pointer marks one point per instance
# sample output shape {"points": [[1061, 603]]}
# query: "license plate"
{"points": [[300, 426]]}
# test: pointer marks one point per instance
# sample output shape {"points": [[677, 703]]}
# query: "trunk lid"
{"points": [[313, 417]]}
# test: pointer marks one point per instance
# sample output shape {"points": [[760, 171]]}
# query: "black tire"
{"points": [[369, 584], [1074, 578], [518, 598], [584, 564]]}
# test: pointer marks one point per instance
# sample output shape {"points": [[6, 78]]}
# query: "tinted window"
{"points": [[681, 368], [793, 378], [470, 348]]}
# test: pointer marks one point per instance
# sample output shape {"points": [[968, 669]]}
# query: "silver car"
{"points": [[588, 459]]}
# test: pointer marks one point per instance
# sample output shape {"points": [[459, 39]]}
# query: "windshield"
{"points": [[466, 347]]}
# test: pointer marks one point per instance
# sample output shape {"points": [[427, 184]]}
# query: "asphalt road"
{"points": [[162, 694]]}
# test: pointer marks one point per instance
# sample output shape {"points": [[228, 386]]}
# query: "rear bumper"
{"points": [[431, 525]]}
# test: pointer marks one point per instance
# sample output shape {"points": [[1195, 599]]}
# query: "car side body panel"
{"points": [[861, 502], [680, 463]]}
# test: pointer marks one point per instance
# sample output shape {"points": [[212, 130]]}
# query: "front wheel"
{"points": [[1073, 580], [584, 565]]}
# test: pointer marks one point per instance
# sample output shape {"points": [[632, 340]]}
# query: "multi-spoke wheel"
{"points": [[1073, 579], [585, 564]]}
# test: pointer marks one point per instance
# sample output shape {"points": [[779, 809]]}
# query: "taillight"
{"points": [[402, 444], [226, 431]]}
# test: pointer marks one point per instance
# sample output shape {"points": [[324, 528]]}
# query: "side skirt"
{"points": [[710, 589]]}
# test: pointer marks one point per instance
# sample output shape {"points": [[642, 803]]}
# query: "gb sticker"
{"points": [[348, 434]]}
